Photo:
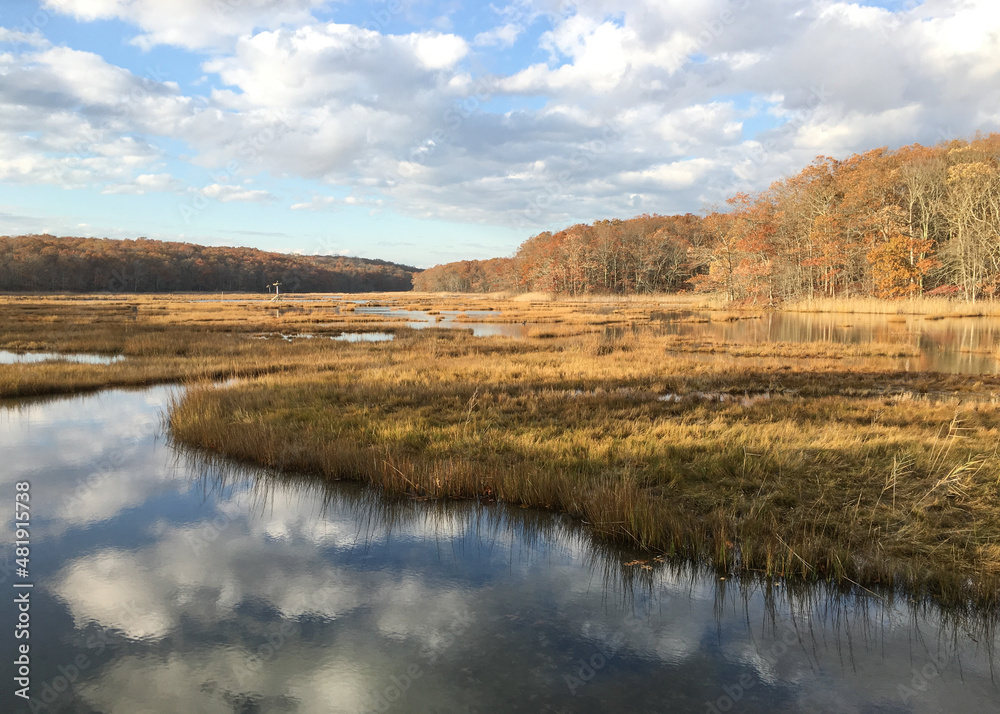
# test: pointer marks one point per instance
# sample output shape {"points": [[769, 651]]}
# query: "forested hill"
{"points": [[47, 263], [886, 223]]}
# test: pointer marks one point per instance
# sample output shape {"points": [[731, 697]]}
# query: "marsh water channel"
{"points": [[163, 583]]}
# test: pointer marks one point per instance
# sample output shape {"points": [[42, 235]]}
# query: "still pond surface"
{"points": [[162, 584]]}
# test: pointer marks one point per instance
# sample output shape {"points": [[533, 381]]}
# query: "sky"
{"points": [[425, 131]]}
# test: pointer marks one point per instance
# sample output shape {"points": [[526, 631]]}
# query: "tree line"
{"points": [[887, 223], [47, 263]]}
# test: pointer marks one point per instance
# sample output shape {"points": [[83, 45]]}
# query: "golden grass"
{"points": [[164, 339], [814, 349], [811, 461], [857, 477]]}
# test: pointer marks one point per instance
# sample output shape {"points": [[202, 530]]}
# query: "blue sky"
{"points": [[423, 131]]}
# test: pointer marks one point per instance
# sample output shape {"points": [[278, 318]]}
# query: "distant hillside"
{"points": [[47, 263]]}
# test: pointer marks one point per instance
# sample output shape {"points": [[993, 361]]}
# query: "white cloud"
{"points": [[190, 23], [146, 183], [317, 203], [703, 99], [34, 38], [675, 176], [438, 51], [226, 193], [88, 128], [502, 36]]}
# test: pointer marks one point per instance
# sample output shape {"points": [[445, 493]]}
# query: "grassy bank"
{"points": [[809, 471]]}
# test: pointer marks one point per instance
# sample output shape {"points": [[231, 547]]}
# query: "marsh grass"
{"points": [[872, 482], [163, 339], [814, 349], [803, 465]]}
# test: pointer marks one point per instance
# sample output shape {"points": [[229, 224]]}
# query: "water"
{"points": [[166, 585], [32, 357], [365, 337], [420, 319], [968, 345], [342, 337]]}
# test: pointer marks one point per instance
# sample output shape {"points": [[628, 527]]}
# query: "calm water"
{"points": [[164, 585], [365, 337], [420, 319], [7, 357], [967, 345]]}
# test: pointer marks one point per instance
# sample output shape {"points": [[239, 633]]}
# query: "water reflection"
{"points": [[7, 357], [450, 319], [365, 337], [958, 345], [194, 586]]}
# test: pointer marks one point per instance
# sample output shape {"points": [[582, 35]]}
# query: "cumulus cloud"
{"points": [[660, 106], [193, 24], [91, 125]]}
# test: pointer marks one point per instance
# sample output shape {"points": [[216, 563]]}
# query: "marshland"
{"points": [[323, 498], [812, 447]]}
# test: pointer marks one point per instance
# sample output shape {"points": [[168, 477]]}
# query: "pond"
{"points": [[163, 583]]}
